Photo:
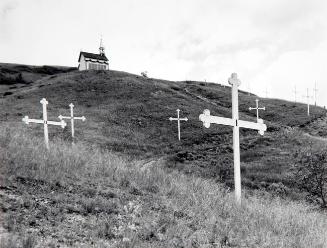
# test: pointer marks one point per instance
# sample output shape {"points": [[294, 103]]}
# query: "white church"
{"points": [[93, 61]]}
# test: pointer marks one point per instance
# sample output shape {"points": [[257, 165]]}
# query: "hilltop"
{"points": [[129, 182], [13, 76]]}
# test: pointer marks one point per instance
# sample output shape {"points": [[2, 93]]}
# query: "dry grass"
{"points": [[84, 197]]}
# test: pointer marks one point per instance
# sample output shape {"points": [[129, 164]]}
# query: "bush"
{"points": [[311, 171], [144, 74]]}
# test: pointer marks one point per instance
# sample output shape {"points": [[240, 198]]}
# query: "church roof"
{"points": [[92, 56]]}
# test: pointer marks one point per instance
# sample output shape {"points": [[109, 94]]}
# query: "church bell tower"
{"points": [[101, 48]]}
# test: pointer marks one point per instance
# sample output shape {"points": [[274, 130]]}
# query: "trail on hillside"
{"points": [[317, 138], [200, 97]]}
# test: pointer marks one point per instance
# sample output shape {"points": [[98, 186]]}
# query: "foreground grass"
{"points": [[83, 197]]}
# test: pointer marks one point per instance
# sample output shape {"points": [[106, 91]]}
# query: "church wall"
{"points": [[85, 65], [82, 65]]}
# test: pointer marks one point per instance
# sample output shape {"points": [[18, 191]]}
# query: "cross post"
{"points": [[45, 122], [257, 108], [178, 119], [207, 119], [249, 89], [315, 93], [308, 102], [295, 92], [72, 118]]}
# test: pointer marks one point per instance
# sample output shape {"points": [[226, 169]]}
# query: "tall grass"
{"points": [[156, 208]]}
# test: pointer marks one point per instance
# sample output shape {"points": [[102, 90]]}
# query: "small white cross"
{"points": [[315, 93], [178, 123], [72, 118], [257, 108], [295, 92], [207, 119], [308, 102], [45, 122]]}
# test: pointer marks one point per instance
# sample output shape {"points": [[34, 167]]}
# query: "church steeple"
{"points": [[101, 48]]}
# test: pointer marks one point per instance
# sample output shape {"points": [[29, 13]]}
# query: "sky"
{"points": [[273, 45]]}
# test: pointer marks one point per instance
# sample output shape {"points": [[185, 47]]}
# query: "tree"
{"points": [[144, 74], [311, 171]]}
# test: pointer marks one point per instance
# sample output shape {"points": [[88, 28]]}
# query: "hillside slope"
{"points": [[16, 76], [129, 182], [80, 196], [129, 114]]}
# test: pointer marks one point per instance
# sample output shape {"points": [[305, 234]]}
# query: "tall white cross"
{"points": [[315, 93], [178, 119], [72, 118], [308, 102], [249, 89], [257, 108], [295, 92], [207, 119], [45, 121]]}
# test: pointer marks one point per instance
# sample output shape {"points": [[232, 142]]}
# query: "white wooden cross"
{"points": [[178, 123], [72, 118], [257, 108], [208, 119], [295, 92], [249, 89], [315, 93], [45, 122], [308, 102]]}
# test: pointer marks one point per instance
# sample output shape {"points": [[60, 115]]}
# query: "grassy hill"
{"points": [[129, 114], [13, 76], [174, 182]]}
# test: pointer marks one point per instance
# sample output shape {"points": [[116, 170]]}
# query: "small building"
{"points": [[93, 61]]}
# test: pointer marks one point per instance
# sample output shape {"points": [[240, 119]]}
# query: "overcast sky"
{"points": [[273, 44]]}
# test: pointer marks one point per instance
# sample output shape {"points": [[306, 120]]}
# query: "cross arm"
{"points": [[208, 119], [63, 117], [254, 125], [69, 117], [58, 123], [80, 118], [28, 120]]}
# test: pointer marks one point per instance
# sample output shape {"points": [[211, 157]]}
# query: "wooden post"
{"points": [[308, 102], [234, 82], [72, 118], [315, 93], [45, 124], [295, 93]]}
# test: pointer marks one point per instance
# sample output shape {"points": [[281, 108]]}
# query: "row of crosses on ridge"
{"points": [[61, 123], [206, 118], [308, 97]]}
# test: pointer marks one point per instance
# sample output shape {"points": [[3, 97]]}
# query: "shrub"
{"points": [[144, 74], [310, 170]]}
